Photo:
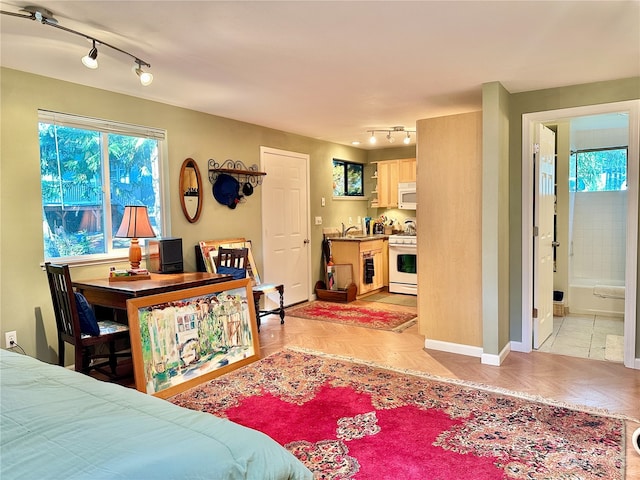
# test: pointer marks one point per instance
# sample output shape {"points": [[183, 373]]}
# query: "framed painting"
{"points": [[182, 338]]}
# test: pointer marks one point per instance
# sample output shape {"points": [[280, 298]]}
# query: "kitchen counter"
{"points": [[369, 258], [359, 238]]}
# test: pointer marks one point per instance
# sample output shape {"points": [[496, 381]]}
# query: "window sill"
{"points": [[86, 262], [352, 199]]}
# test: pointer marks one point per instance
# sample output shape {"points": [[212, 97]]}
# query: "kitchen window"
{"points": [[347, 179], [90, 169]]}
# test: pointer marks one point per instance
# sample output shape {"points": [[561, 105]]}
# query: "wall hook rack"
{"points": [[237, 169]]}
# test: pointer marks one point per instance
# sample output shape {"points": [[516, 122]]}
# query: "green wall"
{"points": [[26, 303], [541, 101]]}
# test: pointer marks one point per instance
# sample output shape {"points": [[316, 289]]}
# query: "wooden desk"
{"points": [[114, 295]]}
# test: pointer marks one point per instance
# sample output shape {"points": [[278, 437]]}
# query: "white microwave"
{"points": [[407, 195]]}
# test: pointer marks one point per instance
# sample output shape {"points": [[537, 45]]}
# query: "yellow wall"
{"points": [[450, 222], [26, 303]]}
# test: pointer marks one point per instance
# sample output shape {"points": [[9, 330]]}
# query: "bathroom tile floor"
{"points": [[583, 336]]}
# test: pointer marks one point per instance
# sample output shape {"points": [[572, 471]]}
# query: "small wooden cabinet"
{"points": [[365, 255], [389, 173], [407, 170]]}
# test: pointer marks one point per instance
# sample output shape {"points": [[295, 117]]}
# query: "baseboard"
{"points": [[496, 360], [520, 347], [468, 350]]}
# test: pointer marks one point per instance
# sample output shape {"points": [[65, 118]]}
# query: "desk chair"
{"points": [[78, 326], [234, 262]]}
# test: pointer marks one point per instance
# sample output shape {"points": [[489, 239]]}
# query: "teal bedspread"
{"points": [[59, 424]]}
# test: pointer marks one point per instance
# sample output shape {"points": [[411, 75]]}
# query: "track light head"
{"points": [[372, 139], [89, 60], [145, 77], [390, 138], [407, 139]]}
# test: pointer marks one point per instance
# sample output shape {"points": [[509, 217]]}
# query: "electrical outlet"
{"points": [[10, 339], [318, 220]]}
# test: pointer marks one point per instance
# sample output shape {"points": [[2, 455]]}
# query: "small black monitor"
{"points": [[164, 255]]}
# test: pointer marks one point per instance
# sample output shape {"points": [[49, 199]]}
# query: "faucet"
{"points": [[344, 232]]}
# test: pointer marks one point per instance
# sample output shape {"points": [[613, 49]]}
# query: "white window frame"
{"points": [[120, 128]]}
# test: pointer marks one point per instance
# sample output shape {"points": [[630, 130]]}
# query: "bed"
{"points": [[56, 423]]}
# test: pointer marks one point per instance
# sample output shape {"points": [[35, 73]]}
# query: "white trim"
{"points": [[519, 347], [496, 360], [458, 348], [528, 122], [101, 125]]}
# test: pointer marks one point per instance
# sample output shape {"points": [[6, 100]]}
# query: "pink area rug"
{"points": [[351, 420], [356, 315]]}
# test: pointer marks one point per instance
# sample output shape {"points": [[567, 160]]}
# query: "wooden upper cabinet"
{"points": [[387, 184], [407, 170], [390, 173]]}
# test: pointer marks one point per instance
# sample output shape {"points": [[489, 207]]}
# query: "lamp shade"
{"points": [[135, 223]]}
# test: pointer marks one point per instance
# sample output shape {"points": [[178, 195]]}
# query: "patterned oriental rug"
{"points": [[353, 420], [357, 315]]}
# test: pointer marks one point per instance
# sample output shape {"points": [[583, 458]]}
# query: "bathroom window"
{"points": [[347, 179], [598, 170], [90, 169]]}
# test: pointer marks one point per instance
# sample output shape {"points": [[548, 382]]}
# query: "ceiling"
{"points": [[329, 70]]}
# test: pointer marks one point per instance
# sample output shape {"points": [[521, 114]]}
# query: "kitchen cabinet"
{"points": [[389, 173], [366, 254], [407, 170], [387, 184]]}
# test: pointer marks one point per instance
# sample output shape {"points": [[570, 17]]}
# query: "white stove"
{"points": [[402, 239], [403, 263]]}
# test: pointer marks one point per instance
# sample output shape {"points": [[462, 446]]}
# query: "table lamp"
{"points": [[135, 224]]}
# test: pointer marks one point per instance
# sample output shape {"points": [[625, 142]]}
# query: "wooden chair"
{"points": [[237, 258], [232, 258], [68, 322]]}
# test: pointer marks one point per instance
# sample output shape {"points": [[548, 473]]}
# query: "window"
{"points": [[347, 179], [598, 170], [90, 169]]}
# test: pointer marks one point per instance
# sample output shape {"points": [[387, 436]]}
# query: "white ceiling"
{"points": [[329, 69]]}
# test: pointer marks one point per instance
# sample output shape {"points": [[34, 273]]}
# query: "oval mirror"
{"points": [[190, 190]]}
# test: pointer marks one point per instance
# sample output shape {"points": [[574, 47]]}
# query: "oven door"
{"points": [[403, 264]]}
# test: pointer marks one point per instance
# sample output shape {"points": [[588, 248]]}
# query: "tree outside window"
{"points": [[347, 179], [88, 176], [598, 170]]}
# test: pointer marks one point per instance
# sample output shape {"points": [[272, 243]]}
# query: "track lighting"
{"points": [[390, 137], [145, 77], [45, 17], [89, 60]]}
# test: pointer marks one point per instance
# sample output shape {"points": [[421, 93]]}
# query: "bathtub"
{"points": [[582, 300]]}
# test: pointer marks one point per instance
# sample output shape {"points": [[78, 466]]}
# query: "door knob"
{"points": [[306, 240], [555, 244]]}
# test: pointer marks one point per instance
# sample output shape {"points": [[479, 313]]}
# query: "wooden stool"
{"points": [[266, 288]]}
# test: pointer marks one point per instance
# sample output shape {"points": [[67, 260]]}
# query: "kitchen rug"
{"points": [[370, 316], [347, 419]]}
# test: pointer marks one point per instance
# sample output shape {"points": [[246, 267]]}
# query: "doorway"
{"points": [[286, 249], [530, 122]]}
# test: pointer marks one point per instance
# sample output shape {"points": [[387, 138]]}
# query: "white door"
{"points": [[285, 222], [544, 205]]}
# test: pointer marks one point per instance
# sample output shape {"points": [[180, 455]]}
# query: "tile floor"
{"points": [[583, 336]]}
